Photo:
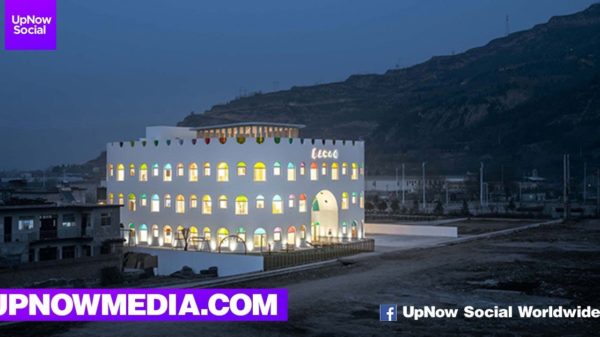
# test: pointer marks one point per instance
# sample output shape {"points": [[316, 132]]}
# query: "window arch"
{"points": [[241, 168], [241, 205], [222, 233], [291, 236], [193, 236], [354, 174], [222, 172], [167, 200], [354, 197], [143, 172], [131, 202], [207, 169], [277, 204], [241, 233], [260, 171], [111, 170], [111, 198], [344, 168], [143, 200], [302, 168], [168, 173], [291, 200], [120, 172], [206, 233], [143, 233], [180, 233], [155, 204], [180, 170], [193, 201], [324, 169], [223, 201], [344, 200], [344, 228], [302, 203], [155, 234], [132, 170], [314, 174], [277, 234], [260, 201], [260, 238], [193, 172], [131, 237], [291, 172], [303, 232], [180, 204], [277, 168], [121, 199], [167, 235], [361, 200], [155, 170], [206, 204], [335, 171]]}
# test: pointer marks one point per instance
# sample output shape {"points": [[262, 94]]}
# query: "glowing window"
{"points": [[193, 235], [302, 168], [155, 232], [131, 205], [291, 235], [168, 173], [193, 201], [345, 200], [302, 203], [362, 169], [241, 233], [260, 238], [344, 168], [193, 172], [180, 234], [222, 172], [277, 234], [354, 174], [344, 228], [143, 233], [223, 201], [120, 172], [335, 171], [260, 172], [207, 169], [155, 170], [111, 170], [121, 199], [180, 170], [241, 169], [361, 200], [206, 232], [354, 198], [291, 201], [180, 204], [206, 204], [143, 200], [155, 204], [277, 168], [168, 200], [277, 205], [132, 170], [241, 205], [291, 172], [168, 235], [260, 201], [111, 198], [144, 172], [222, 233], [324, 169], [302, 232], [314, 171]]}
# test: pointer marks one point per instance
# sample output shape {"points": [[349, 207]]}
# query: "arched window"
{"points": [[168, 235], [155, 234], [144, 172], [143, 200], [155, 204], [111, 170], [314, 174], [180, 170], [260, 238], [241, 205], [277, 234], [168, 173], [277, 168], [222, 172], [132, 170], [291, 235], [324, 169], [344, 228], [344, 200], [222, 233], [206, 204], [241, 168], [260, 201], [143, 233], [354, 230], [291, 172], [223, 201], [131, 237], [302, 203], [344, 169], [354, 174], [354, 195], [362, 169], [241, 233], [361, 200], [260, 172], [207, 169], [120, 172], [193, 236], [180, 204], [167, 200], [277, 205], [193, 172], [302, 168], [121, 199], [291, 201], [131, 204], [303, 232], [193, 201], [206, 233], [111, 198], [180, 234], [335, 171], [155, 170]]}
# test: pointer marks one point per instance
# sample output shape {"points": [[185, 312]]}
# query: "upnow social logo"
{"points": [[388, 312], [30, 24]]}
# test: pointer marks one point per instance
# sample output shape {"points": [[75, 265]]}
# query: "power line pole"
{"points": [[397, 183], [566, 178], [424, 200], [507, 25], [403, 184]]}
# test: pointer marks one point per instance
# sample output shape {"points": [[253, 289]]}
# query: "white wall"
{"points": [[172, 260], [418, 230]]}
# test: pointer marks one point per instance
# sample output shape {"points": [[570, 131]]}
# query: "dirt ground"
{"points": [[551, 265]]}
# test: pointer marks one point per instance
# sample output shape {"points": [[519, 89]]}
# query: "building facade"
{"points": [[235, 185]]}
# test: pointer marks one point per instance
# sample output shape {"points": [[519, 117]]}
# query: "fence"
{"points": [[327, 252]]}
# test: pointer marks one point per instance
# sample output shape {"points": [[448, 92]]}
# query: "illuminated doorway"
{"points": [[324, 217]]}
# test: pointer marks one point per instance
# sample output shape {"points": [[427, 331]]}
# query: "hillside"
{"points": [[520, 101]]}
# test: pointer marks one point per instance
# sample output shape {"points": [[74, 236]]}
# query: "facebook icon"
{"points": [[388, 312]]}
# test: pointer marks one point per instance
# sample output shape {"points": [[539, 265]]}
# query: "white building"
{"points": [[258, 182]]}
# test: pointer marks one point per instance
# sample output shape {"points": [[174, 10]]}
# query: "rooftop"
{"points": [[53, 207], [231, 125]]}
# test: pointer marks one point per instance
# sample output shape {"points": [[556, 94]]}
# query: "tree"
{"points": [[184, 234], [395, 205], [465, 208], [439, 208], [415, 207], [382, 206]]}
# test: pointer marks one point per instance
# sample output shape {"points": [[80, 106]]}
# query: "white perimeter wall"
{"points": [[418, 230], [170, 261]]}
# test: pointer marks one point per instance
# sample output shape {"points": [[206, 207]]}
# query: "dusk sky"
{"points": [[123, 65]]}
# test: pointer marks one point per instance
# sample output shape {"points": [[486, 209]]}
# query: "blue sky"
{"points": [[122, 65]]}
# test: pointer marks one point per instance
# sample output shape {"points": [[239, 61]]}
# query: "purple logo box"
{"points": [[30, 24], [143, 304]]}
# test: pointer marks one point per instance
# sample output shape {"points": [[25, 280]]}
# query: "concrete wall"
{"points": [[171, 260], [419, 230]]}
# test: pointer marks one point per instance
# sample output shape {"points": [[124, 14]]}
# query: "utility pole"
{"points": [[566, 186], [446, 186], [403, 184], [424, 200], [396, 183], [481, 184]]}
